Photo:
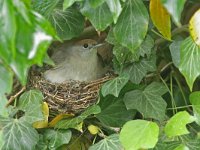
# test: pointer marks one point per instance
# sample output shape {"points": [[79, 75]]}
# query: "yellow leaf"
{"points": [[58, 118], [160, 18], [79, 127], [194, 26], [43, 123], [93, 129]]}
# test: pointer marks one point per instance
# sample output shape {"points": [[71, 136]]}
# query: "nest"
{"points": [[69, 97]]}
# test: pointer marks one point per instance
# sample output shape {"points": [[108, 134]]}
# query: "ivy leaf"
{"points": [[26, 103], [163, 145], [139, 134], [18, 134], [43, 123], [33, 28], [115, 8], [57, 138], [115, 85], [148, 101], [138, 70], [195, 101], [132, 34], [1, 139], [181, 147], [175, 8], [190, 141], [68, 23], [176, 126], [68, 3], [48, 60], [100, 16], [6, 80], [114, 112], [8, 29], [146, 46], [123, 55], [189, 61], [96, 3], [175, 52], [41, 145], [194, 27], [74, 122], [108, 143], [3, 109], [160, 18]]}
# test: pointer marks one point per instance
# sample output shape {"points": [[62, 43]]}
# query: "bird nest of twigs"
{"points": [[69, 97]]}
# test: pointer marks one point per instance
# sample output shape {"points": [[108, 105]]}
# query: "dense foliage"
{"points": [[153, 103]]}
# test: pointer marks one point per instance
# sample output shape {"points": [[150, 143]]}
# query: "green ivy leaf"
{"points": [[96, 3], [4, 121], [194, 99], [172, 145], [175, 9], [18, 134], [176, 126], [148, 101], [1, 139], [48, 60], [57, 138], [100, 17], [189, 61], [115, 8], [68, 23], [123, 55], [68, 3], [175, 52], [146, 46], [41, 145], [31, 103], [28, 25], [115, 85], [132, 25], [3, 109], [138, 134], [138, 70], [114, 112], [191, 141], [6, 80], [74, 122], [181, 147], [8, 29], [108, 143]]}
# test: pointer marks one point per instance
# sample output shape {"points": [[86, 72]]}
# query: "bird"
{"points": [[76, 61]]}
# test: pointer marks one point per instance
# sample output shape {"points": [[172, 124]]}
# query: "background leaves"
{"points": [[68, 23], [19, 134], [160, 18], [174, 129], [147, 134], [148, 101], [132, 34], [190, 55], [175, 8]]}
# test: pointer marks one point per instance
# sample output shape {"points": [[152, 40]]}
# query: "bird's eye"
{"points": [[85, 45]]}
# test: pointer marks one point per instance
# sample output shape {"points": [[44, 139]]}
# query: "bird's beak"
{"points": [[98, 45]]}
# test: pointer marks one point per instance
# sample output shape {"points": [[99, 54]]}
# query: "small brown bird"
{"points": [[78, 61]]}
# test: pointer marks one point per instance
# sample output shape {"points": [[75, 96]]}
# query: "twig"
{"points": [[162, 70], [12, 98]]}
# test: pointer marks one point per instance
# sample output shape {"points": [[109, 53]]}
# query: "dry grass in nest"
{"points": [[69, 97]]}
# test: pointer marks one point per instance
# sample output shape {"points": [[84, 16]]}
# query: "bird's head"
{"points": [[86, 47]]}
